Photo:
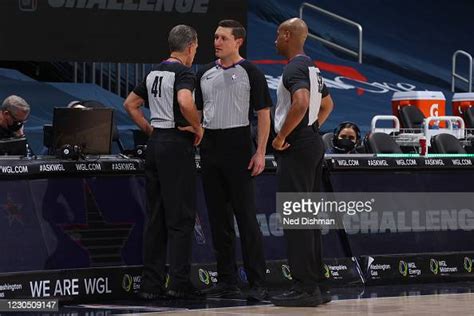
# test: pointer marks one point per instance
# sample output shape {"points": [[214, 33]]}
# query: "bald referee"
{"points": [[169, 166], [229, 91], [303, 105]]}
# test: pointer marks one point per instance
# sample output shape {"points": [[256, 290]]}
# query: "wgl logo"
{"points": [[28, 5]]}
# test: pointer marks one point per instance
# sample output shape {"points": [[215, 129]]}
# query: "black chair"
{"points": [[411, 117], [360, 149], [469, 117], [381, 143], [470, 148], [327, 140], [446, 144]]}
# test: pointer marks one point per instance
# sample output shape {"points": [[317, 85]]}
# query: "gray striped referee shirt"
{"points": [[160, 89], [228, 95], [299, 73]]}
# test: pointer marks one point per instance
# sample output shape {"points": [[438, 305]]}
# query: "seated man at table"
{"points": [[14, 112]]}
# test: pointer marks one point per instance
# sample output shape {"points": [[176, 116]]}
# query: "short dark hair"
{"points": [[238, 30], [180, 37]]}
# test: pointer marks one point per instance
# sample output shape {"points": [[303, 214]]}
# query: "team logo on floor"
{"points": [[13, 210], [434, 266]]}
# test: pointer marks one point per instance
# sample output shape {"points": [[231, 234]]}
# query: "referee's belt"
{"points": [[303, 132]]}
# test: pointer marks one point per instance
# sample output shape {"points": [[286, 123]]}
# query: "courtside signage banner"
{"points": [[402, 162], [80, 284], [108, 30], [404, 268], [278, 273]]}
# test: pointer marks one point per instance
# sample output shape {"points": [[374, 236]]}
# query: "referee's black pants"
{"points": [[300, 170], [229, 190], [170, 173]]}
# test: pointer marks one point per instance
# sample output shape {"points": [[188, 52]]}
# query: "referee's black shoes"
{"points": [[188, 292], [300, 298], [151, 295], [223, 290], [257, 294]]}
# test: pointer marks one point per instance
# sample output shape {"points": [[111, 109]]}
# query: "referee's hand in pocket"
{"points": [[280, 143], [198, 133]]}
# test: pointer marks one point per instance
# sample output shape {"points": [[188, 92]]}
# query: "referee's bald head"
{"points": [[180, 37], [297, 28]]}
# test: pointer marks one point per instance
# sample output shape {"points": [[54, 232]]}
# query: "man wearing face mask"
{"points": [[345, 140], [14, 112]]}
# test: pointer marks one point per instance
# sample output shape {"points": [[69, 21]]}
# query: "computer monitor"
{"points": [[13, 146], [88, 128]]}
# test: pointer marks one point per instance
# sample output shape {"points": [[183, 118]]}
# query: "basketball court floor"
{"points": [[454, 298]]}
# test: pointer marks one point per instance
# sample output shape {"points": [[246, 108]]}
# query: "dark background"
{"points": [[40, 31]]}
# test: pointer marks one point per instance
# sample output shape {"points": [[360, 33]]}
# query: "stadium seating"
{"points": [[446, 144], [411, 117], [469, 117], [327, 140], [381, 143]]}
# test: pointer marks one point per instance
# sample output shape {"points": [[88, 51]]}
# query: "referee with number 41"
{"points": [[170, 168]]}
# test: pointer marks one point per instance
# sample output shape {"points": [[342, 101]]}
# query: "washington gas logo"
{"points": [[286, 272], [434, 266], [127, 282], [204, 276], [468, 264], [243, 274], [403, 268], [327, 273]]}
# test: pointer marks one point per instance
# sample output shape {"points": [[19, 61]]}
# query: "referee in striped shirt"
{"points": [[228, 92], [170, 168], [304, 103]]}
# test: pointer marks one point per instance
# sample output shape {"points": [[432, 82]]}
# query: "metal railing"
{"points": [[109, 75], [455, 76], [118, 78], [358, 53]]}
